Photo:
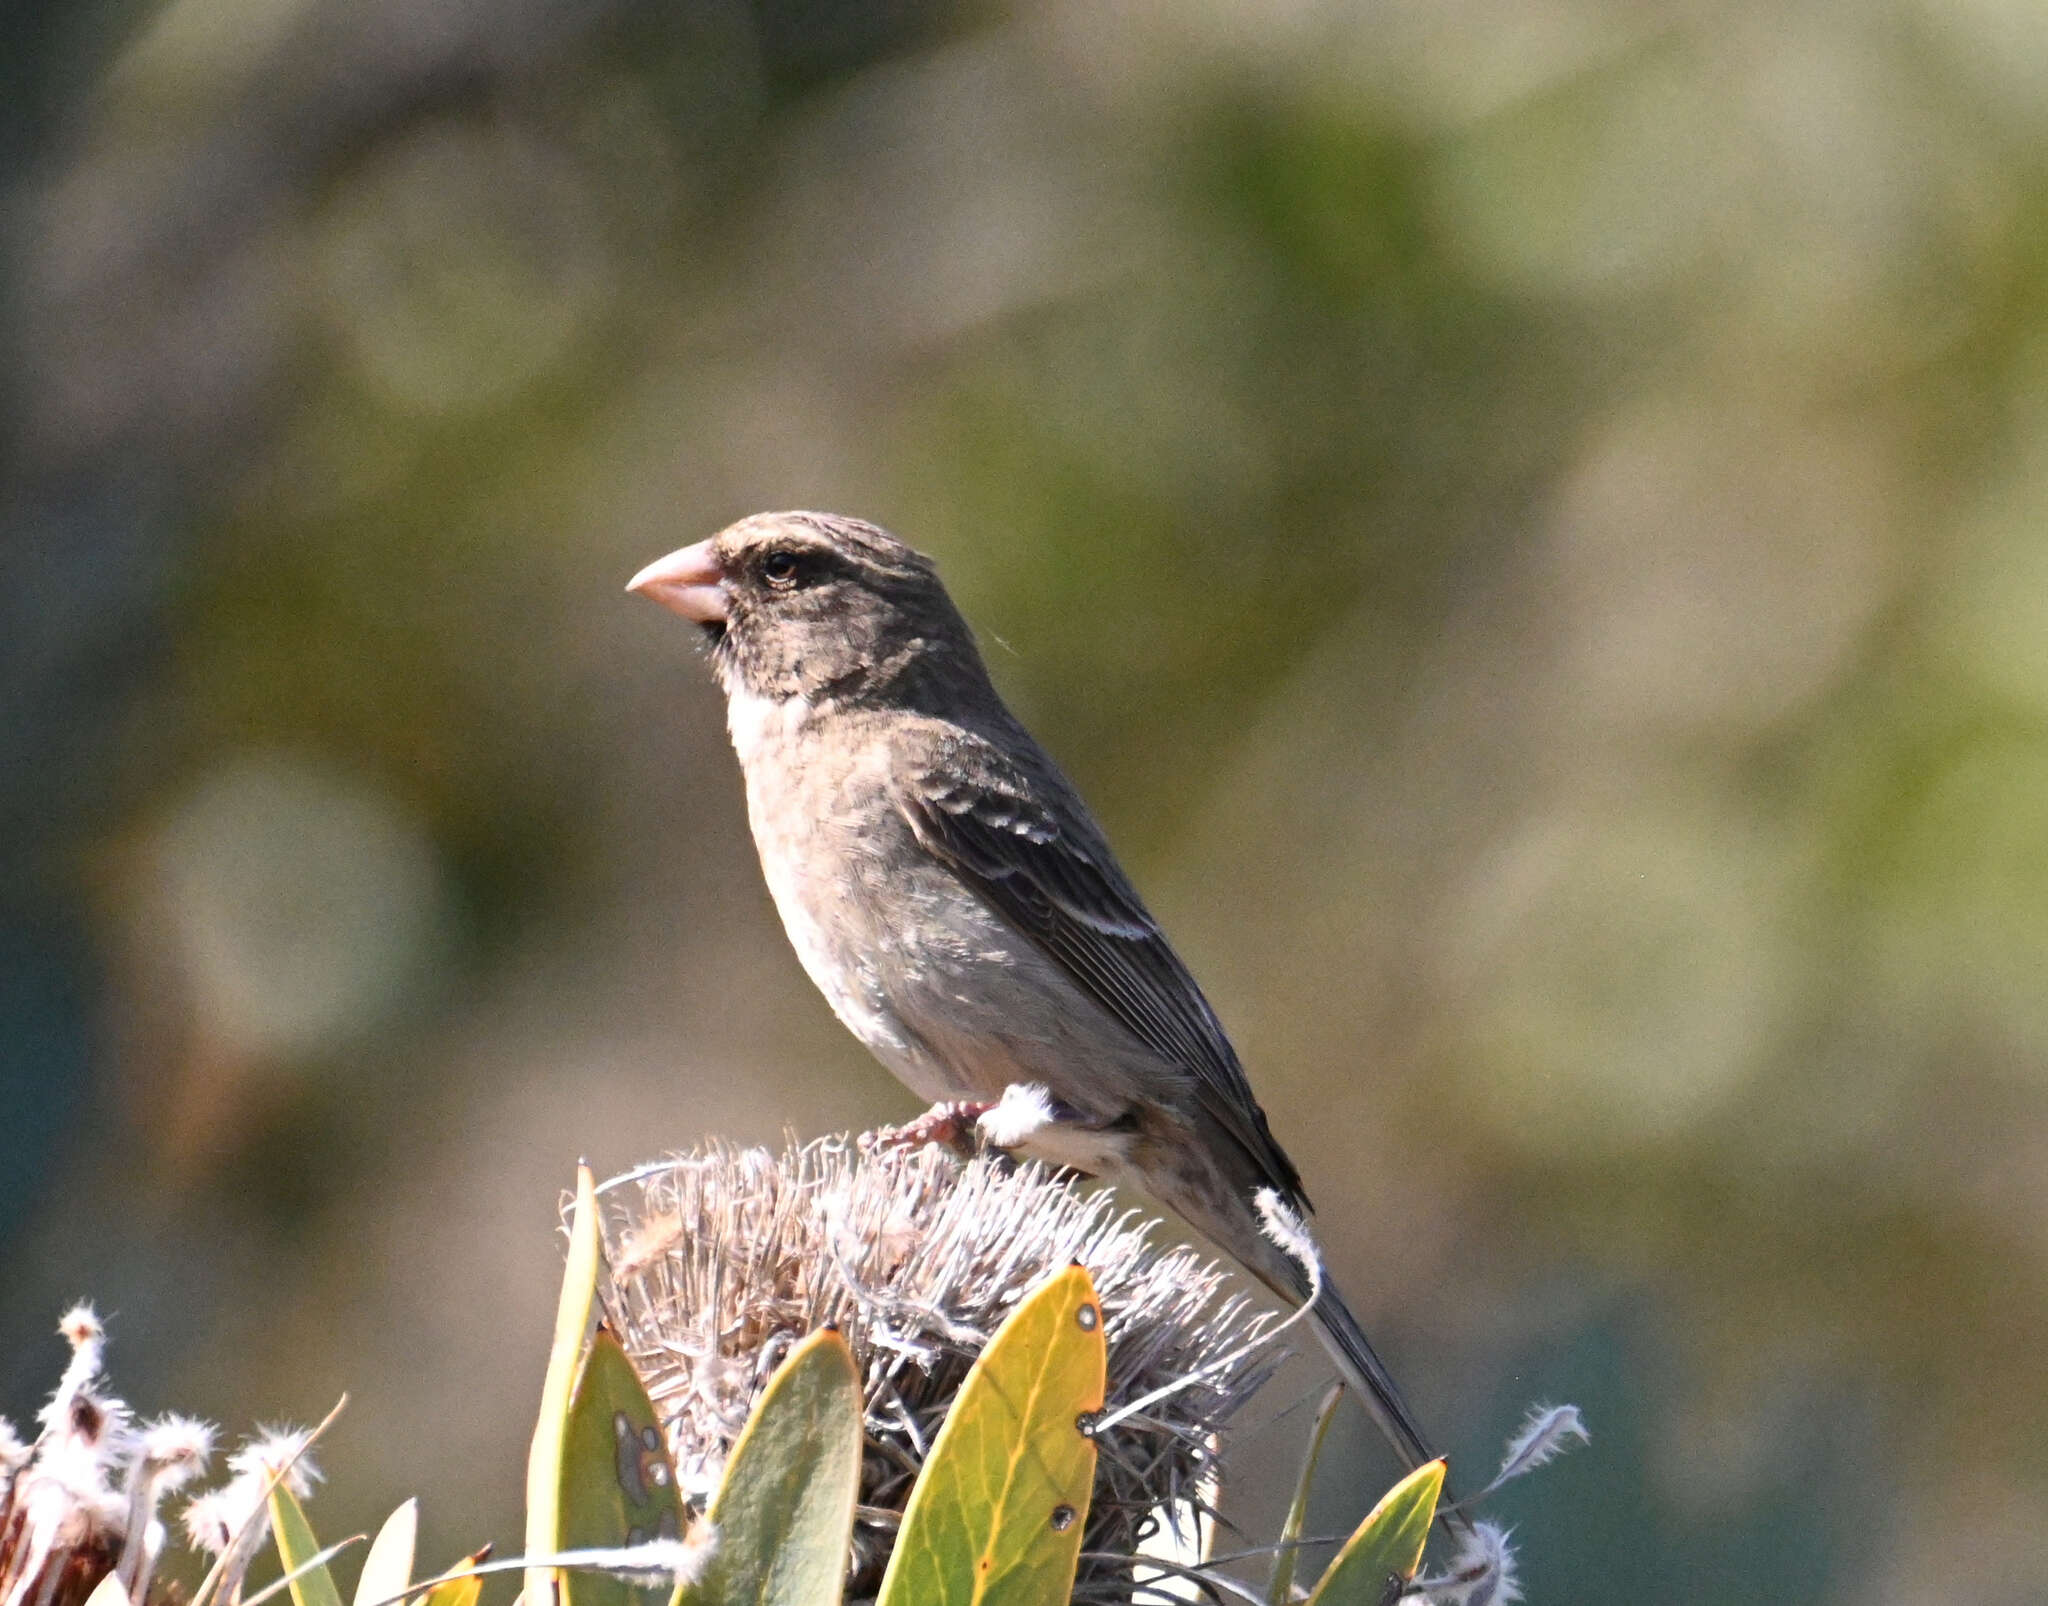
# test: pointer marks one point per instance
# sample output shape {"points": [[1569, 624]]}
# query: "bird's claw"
{"points": [[954, 1125]]}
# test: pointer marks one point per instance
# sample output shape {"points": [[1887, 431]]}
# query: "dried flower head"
{"points": [[14, 1454], [209, 1521], [275, 1450], [63, 1517], [81, 1502], [227, 1523], [175, 1450], [1482, 1573], [169, 1453], [722, 1258]]}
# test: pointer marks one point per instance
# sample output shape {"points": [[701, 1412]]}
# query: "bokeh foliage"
{"points": [[1529, 524]]}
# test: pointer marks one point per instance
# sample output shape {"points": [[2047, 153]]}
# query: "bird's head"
{"points": [[817, 606]]}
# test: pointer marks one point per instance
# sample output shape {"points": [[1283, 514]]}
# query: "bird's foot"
{"points": [[954, 1125]]}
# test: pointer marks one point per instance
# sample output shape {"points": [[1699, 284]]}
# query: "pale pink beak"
{"points": [[688, 581]]}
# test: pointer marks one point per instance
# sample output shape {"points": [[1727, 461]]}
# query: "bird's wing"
{"points": [[1025, 842]]}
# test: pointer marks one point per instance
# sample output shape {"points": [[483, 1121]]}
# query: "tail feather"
{"points": [[1266, 1231], [1286, 1257], [1368, 1376]]}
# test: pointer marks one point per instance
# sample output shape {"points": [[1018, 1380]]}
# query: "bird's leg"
{"points": [[954, 1124]]}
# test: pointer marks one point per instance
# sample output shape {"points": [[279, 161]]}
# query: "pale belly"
{"points": [[948, 1006], [914, 970], [859, 982], [938, 986]]}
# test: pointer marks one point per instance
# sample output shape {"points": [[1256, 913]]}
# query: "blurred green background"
{"points": [[1529, 521]]}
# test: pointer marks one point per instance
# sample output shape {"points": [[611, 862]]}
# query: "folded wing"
{"points": [[1024, 841]]}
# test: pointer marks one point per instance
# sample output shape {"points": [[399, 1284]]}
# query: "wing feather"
{"points": [[1025, 842]]}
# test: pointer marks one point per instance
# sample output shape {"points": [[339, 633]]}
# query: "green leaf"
{"points": [[618, 1484], [784, 1511], [1387, 1547], [277, 1586], [1280, 1591], [387, 1569], [996, 1517], [296, 1546], [544, 1460]]}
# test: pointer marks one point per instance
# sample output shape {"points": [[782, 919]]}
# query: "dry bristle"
{"points": [[275, 1449], [81, 1325], [722, 1258], [177, 1448], [641, 1245], [210, 1521]]}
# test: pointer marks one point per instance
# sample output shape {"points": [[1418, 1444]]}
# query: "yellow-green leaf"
{"points": [[459, 1591], [1384, 1552], [784, 1511], [387, 1569], [996, 1517], [296, 1546], [544, 1460], [618, 1484]]}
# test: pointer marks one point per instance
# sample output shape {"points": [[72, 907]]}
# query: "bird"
{"points": [[949, 892]]}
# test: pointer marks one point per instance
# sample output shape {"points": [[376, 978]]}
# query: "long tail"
{"points": [[1368, 1376], [1265, 1229], [1370, 1380]]}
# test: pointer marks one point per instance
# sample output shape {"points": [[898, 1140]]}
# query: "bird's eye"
{"points": [[780, 569]]}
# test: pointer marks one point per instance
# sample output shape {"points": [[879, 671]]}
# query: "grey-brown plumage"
{"points": [[952, 897]]}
